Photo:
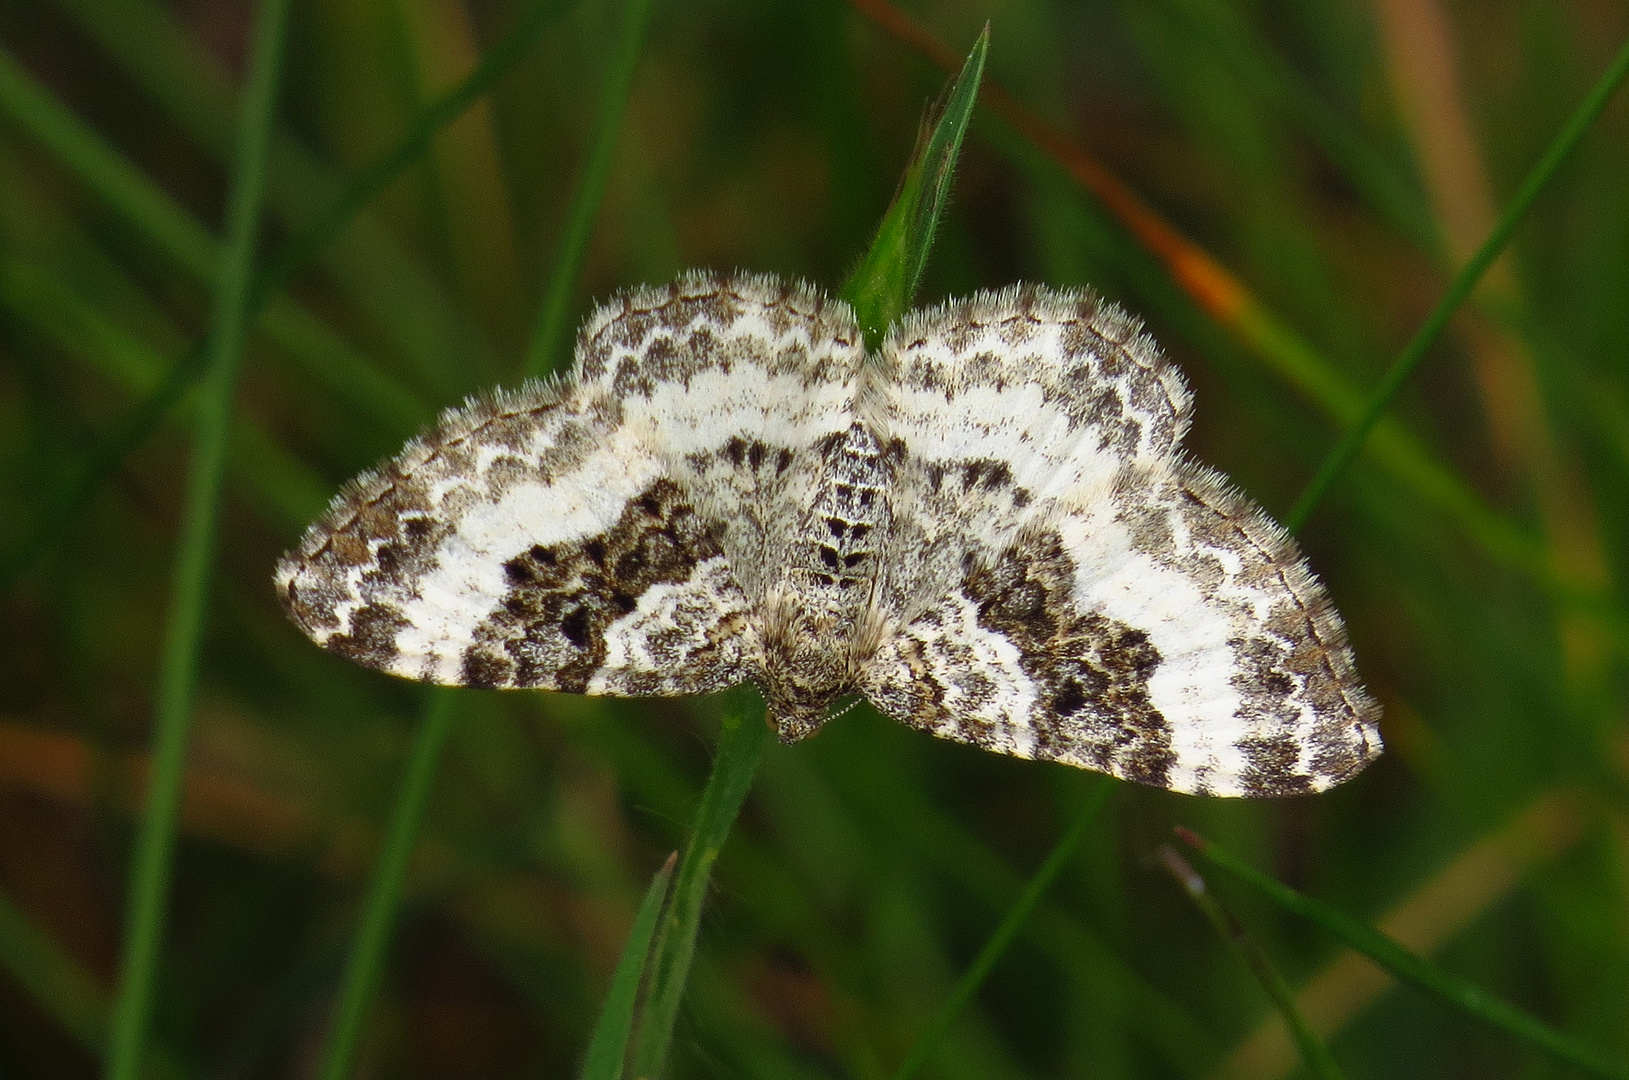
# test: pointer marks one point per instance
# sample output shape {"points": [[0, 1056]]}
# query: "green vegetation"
{"points": [[241, 260]]}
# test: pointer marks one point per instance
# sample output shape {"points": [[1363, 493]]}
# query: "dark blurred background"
{"points": [[1336, 161]]}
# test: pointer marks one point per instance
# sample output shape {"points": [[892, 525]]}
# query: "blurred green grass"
{"points": [[1299, 144]]}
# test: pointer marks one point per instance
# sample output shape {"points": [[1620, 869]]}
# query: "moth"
{"points": [[988, 529]]}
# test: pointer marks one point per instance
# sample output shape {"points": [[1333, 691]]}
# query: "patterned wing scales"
{"points": [[1076, 591], [988, 529], [574, 536], [733, 382], [1168, 634], [1003, 403]]}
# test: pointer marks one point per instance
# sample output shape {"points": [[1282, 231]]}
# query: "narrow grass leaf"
{"points": [[1261, 70], [379, 910], [158, 217], [152, 208], [1460, 993], [1461, 287], [1016, 917], [1318, 1060], [155, 845], [164, 55], [74, 494], [741, 745], [610, 1045], [554, 312], [882, 286], [1226, 300], [137, 199], [421, 130], [66, 992], [51, 978]]}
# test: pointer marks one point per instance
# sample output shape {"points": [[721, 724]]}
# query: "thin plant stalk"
{"points": [[931, 1039], [150, 873], [1314, 1053], [430, 118], [1582, 119], [1462, 994], [379, 910], [144, 417], [1229, 302], [741, 745], [555, 309]]}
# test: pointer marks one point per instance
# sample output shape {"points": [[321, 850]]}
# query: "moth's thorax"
{"points": [[819, 624]]}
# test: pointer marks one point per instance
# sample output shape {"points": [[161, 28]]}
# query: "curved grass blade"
{"points": [[1226, 300], [609, 1046], [1318, 1060], [155, 844], [65, 991], [1461, 993], [98, 466], [1461, 287], [51, 977], [1262, 71], [428, 120], [931, 1039], [741, 745], [162, 220], [362, 970], [882, 286], [555, 308], [178, 235], [164, 56], [146, 206]]}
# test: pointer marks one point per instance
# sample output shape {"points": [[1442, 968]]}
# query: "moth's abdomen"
{"points": [[817, 617], [850, 516]]}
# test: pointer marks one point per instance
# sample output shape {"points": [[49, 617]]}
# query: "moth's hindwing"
{"points": [[1168, 634]]}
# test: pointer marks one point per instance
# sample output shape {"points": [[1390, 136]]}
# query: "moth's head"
{"points": [[794, 722]]}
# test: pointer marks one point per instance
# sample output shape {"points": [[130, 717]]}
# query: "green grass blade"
{"points": [[189, 82], [1263, 72], [1460, 288], [100, 465], [51, 978], [882, 286], [66, 992], [83, 329], [1460, 993], [137, 199], [366, 963], [609, 1046], [414, 143], [931, 1039], [554, 310], [741, 745], [155, 845], [154, 212], [1319, 1061]]}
